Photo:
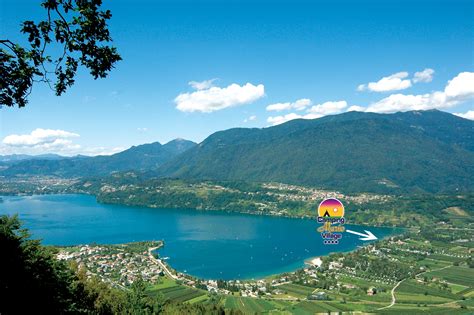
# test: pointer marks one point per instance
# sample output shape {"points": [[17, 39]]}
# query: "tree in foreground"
{"points": [[76, 30], [33, 281], [30, 277]]}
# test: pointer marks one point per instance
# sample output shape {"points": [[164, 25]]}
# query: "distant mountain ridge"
{"points": [[12, 158], [419, 151], [141, 157]]}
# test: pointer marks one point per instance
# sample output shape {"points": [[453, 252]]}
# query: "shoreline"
{"points": [[315, 261], [302, 216]]}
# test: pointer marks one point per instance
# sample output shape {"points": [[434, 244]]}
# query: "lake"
{"points": [[211, 245]]}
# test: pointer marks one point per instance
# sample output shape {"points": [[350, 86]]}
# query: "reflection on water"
{"points": [[206, 244]]}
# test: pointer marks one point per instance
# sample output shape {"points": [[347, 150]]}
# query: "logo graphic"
{"points": [[331, 215], [331, 208]]}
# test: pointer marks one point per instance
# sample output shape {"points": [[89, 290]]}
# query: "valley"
{"points": [[237, 157], [194, 200], [413, 272], [273, 199]]}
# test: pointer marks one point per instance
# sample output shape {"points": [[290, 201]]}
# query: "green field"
{"points": [[359, 282], [413, 309], [179, 293], [445, 258], [410, 298], [252, 306], [414, 287], [457, 288], [469, 292], [457, 275], [165, 282], [296, 289], [433, 263], [307, 307]]}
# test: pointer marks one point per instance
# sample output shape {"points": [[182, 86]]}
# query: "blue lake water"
{"points": [[216, 245]]}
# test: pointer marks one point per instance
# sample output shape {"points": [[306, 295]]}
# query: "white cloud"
{"points": [[216, 98], [284, 118], [356, 108], [361, 87], [298, 105], [38, 137], [402, 102], [461, 87], [93, 151], [41, 141], [316, 111], [281, 119], [202, 85], [278, 107], [62, 148], [458, 90], [394, 82], [397, 81], [423, 76], [468, 115], [144, 129], [328, 108], [301, 104], [251, 118]]}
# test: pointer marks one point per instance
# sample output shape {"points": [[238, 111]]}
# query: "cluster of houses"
{"points": [[122, 267], [313, 194], [115, 264], [34, 185]]}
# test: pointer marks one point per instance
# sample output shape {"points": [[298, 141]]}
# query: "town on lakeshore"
{"points": [[414, 269], [235, 157], [428, 265]]}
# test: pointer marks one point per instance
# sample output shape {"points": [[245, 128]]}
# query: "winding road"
{"points": [[394, 300]]}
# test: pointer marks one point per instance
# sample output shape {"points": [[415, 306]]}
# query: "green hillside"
{"points": [[428, 151], [142, 157], [416, 152]]}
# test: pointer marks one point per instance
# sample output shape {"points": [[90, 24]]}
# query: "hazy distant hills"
{"points": [[13, 158], [428, 151], [418, 151], [142, 157]]}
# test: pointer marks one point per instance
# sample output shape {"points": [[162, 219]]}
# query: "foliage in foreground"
{"points": [[78, 29], [45, 285]]}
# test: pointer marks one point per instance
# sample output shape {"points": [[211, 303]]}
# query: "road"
{"points": [[160, 263], [394, 300]]}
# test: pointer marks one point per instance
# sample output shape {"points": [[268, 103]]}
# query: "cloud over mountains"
{"points": [[458, 90], [397, 81], [208, 98], [41, 141]]}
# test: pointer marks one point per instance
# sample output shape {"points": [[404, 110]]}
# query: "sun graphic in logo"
{"points": [[331, 208]]}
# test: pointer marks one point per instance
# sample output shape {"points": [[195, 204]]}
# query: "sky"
{"points": [[191, 68]]}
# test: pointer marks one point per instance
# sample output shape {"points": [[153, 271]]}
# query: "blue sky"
{"points": [[330, 55]]}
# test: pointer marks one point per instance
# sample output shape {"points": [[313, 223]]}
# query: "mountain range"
{"points": [[417, 151], [137, 158], [13, 158]]}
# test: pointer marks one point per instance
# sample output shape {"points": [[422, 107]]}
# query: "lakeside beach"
{"points": [[316, 261]]}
